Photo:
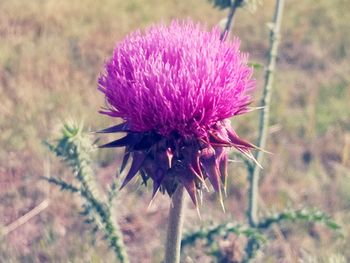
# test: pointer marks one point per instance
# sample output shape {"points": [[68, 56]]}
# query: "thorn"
{"points": [[261, 149], [212, 171], [152, 200], [137, 162], [125, 141], [170, 156], [250, 109], [251, 156], [198, 213], [215, 140], [234, 161], [200, 194], [122, 127], [190, 186], [157, 182], [200, 177], [197, 175], [125, 161], [223, 170], [221, 201], [156, 187], [206, 187]]}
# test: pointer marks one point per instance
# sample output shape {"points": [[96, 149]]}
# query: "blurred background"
{"points": [[51, 54]]}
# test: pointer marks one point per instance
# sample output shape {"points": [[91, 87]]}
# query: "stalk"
{"points": [[265, 113], [254, 172], [176, 218]]}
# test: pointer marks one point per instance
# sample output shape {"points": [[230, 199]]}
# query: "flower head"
{"points": [[175, 88]]}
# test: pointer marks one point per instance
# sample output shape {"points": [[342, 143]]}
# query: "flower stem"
{"points": [[176, 217]]}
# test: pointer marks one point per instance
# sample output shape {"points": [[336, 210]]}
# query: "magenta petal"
{"points": [[176, 78]]}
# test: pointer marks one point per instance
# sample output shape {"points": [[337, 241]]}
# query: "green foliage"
{"points": [[64, 186], [209, 234], [112, 193], [309, 215], [255, 235], [74, 147]]}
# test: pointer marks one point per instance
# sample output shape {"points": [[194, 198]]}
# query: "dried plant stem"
{"points": [[176, 217], [25, 218]]}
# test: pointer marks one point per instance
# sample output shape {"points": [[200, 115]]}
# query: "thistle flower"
{"points": [[175, 88]]}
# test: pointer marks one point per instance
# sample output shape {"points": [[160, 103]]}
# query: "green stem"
{"points": [[115, 237], [254, 173], [265, 113], [176, 218], [74, 148], [111, 228]]}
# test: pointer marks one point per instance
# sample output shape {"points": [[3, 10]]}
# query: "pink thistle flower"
{"points": [[175, 88]]}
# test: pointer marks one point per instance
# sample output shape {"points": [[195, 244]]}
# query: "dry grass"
{"points": [[51, 53]]}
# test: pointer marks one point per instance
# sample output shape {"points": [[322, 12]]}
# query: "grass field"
{"points": [[51, 54]]}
